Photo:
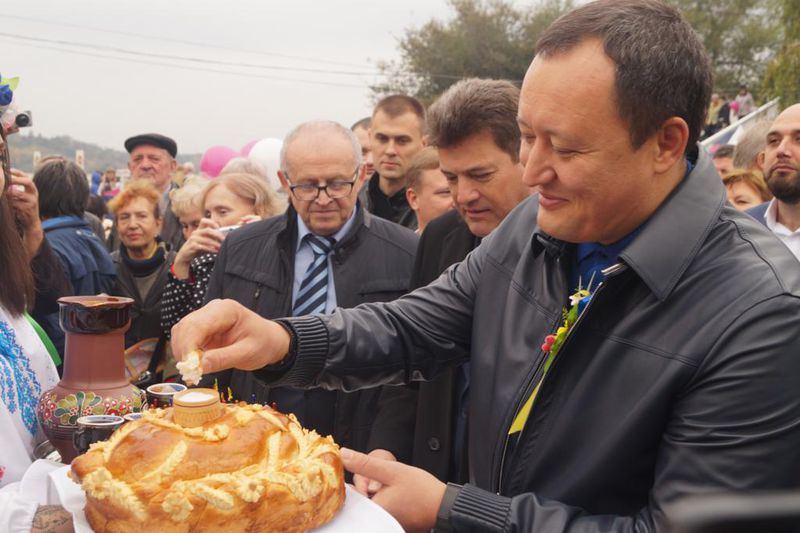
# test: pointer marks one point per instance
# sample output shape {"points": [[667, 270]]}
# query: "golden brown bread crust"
{"points": [[253, 469]]}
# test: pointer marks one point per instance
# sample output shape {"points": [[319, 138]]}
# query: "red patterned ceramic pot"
{"points": [[94, 380]]}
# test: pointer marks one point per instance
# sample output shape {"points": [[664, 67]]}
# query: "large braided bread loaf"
{"points": [[252, 469]]}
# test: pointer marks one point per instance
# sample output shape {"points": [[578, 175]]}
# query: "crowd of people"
{"points": [[535, 309]]}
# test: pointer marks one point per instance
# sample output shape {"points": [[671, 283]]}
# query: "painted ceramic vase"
{"points": [[94, 380]]}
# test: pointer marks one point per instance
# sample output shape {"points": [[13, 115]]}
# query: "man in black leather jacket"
{"points": [[680, 376]]}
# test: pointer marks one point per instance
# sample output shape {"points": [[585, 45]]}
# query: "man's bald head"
{"points": [[322, 131]]}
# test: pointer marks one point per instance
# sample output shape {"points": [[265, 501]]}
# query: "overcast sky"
{"points": [[118, 81]]}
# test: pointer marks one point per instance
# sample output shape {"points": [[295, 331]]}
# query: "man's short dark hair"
{"points": [[725, 150], [63, 189], [473, 106], [398, 104], [662, 69], [364, 123]]}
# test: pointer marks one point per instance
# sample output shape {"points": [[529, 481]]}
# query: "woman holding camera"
{"points": [[228, 202]]}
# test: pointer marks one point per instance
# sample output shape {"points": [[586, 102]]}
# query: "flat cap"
{"points": [[152, 139]]}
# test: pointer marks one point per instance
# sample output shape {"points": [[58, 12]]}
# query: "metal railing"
{"points": [[731, 134]]}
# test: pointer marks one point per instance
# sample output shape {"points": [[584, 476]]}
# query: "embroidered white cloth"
{"points": [[26, 371]]}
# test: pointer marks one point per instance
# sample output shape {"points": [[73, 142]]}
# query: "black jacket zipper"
{"points": [[608, 273]]}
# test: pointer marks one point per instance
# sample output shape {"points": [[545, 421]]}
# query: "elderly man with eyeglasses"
{"points": [[327, 251]]}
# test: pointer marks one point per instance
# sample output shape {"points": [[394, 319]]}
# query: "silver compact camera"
{"points": [[227, 229], [24, 119]]}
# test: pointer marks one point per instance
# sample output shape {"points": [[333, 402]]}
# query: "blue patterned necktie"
{"points": [[313, 293]]}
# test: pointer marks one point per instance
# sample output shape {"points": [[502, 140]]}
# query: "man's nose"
{"points": [[391, 148], [323, 198], [783, 147], [466, 193], [537, 169]]}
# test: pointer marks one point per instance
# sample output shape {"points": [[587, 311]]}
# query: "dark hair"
{"points": [[16, 277], [97, 206], [364, 123], [662, 69], [725, 150], [398, 104], [63, 189], [472, 106]]}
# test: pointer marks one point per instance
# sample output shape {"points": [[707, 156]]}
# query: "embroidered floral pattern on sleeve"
{"points": [[21, 389]]}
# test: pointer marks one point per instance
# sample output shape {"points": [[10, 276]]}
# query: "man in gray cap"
{"points": [[152, 157]]}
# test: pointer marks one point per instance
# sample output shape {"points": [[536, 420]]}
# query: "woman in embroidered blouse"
{"points": [[229, 200], [25, 366]]}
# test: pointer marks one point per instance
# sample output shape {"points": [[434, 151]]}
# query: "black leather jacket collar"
{"points": [[664, 249]]}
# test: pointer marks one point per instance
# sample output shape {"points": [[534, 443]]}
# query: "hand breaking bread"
{"points": [[191, 368]]}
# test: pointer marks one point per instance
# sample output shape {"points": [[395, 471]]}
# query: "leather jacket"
{"points": [[680, 378]]}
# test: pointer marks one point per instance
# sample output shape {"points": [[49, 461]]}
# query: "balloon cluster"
{"points": [[265, 152]]}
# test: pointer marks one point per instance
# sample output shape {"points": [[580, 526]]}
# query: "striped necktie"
{"points": [[313, 293]]}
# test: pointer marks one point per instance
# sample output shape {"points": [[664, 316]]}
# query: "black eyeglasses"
{"points": [[308, 192]]}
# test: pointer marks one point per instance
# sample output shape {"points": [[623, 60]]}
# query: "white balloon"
{"points": [[268, 153]]}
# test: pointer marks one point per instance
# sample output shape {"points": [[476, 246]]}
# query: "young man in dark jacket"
{"points": [[675, 376], [325, 252]]}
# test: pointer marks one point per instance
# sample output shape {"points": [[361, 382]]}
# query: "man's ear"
{"points": [[670, 144], [362, 176], [411, 197], [424, 140], [760, 158], [173, 165], [284, 183]]}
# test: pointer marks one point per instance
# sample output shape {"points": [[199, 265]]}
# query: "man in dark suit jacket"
{"points": [[473, 125]]}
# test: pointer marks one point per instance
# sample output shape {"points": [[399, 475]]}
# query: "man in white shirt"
{"points": [[782, 170]]}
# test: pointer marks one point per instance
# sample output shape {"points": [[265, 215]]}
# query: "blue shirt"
{"points": [[591, 258], [304, 256]]}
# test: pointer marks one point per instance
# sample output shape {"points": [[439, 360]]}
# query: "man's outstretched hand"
{"points": [[411, 495], [231, 336]]}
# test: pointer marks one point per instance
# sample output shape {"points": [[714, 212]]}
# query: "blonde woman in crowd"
{"points": [[227, 202], [187, 206], [746, 188]]}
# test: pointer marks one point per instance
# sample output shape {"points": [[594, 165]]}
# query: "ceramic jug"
{"points": [[94, 381]]}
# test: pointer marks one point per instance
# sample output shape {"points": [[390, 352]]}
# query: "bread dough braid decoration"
{"points": [[252, 469]]}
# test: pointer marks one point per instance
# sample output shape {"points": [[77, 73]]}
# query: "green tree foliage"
{"points": [[492, 38], [486, 39], [741, 37], [783, 74]]}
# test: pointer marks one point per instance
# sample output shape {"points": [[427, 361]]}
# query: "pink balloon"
{"points": [[245, 151], [215, 158]]}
